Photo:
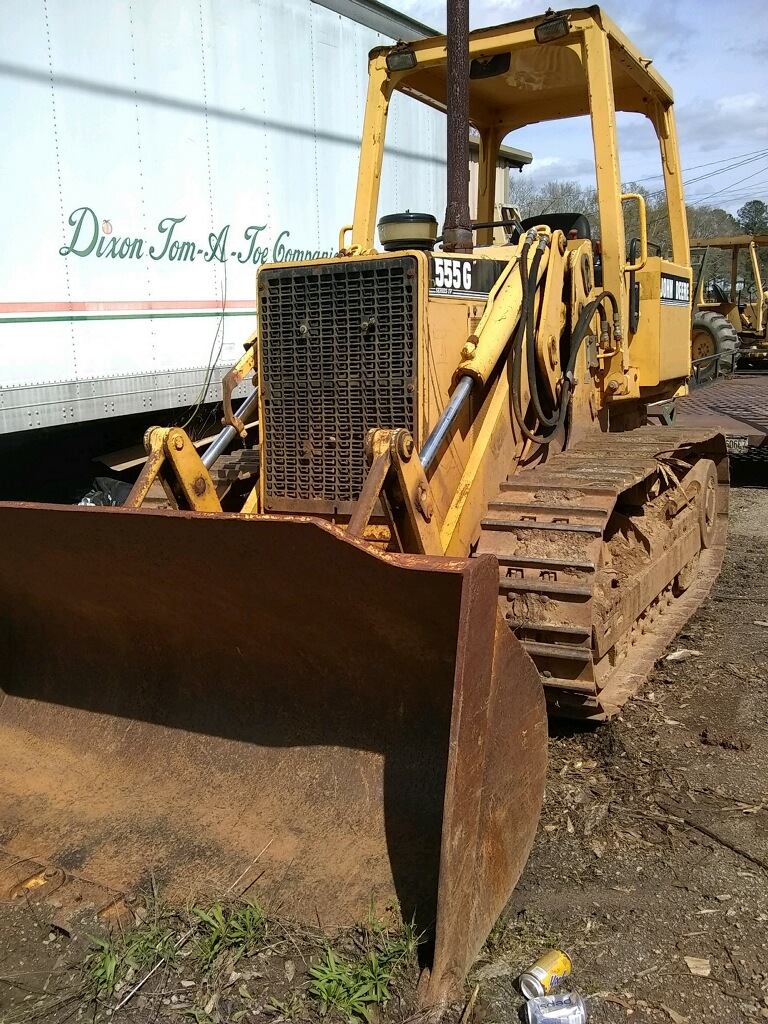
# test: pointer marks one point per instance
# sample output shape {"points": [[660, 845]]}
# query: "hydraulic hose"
{"points": [[582, 325], [530, 349], [529, 284], [525, 342]]}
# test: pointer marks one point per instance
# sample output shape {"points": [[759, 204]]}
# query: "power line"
{"points": [[743, 197], [738, 156], [731, 167], [722, 170], [739, 197], [733, 191], [727, 187], [722, 204], [712, 174]]}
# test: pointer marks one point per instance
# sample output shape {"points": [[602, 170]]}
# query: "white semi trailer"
{"points": [[153, 155]]}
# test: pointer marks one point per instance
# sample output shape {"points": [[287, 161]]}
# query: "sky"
{"points": [[715, 57]]}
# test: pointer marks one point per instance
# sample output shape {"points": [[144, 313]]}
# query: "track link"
{"points": [[604, 552]]}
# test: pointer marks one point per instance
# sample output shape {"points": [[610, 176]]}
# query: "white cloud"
{"points": [[712, 55], [736, 122], [662, 33]]}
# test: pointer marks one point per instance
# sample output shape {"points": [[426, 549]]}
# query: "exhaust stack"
{"points": [[457, 229]]}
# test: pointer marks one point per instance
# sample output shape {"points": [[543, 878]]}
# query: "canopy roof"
{"points": [[541, 81], [733, 242]]}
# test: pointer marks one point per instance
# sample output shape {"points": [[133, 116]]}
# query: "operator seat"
{"points": [[573, 225], [565, 222]]}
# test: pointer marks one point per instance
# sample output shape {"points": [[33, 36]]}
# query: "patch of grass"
{"points": [[227, 931], [117, 958], [350, 987], [289, 1009], [196, 1014], [523, 937], [101, 967]]}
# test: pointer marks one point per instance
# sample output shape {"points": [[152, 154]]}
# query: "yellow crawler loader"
{"points": [[339, 682]]}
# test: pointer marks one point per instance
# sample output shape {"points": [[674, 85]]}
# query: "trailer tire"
{"points": [[711, 333]]}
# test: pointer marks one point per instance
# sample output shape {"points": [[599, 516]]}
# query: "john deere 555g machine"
{"points": [[460, 513]]}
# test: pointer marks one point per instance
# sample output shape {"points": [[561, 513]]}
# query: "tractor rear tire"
{"points": [[711, 333]]}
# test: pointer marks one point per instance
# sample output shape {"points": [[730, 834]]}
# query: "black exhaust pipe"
{"points": [[457, 229]]}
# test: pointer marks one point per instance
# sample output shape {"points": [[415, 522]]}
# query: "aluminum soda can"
{"points": [[559, 1008], [548, 971]]}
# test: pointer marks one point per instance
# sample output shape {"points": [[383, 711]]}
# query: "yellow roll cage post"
{"points": [[592, 70]]}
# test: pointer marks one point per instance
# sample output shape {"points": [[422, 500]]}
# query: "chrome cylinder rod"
{"points": [[446, 421], [228, 434]]}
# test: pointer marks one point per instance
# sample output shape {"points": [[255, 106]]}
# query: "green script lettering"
{"points": [[84, 221], [278, 250], [256, 254], [218, 246], [166, 227], [91, 238]]}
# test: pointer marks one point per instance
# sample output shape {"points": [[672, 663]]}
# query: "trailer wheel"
{"points": [[711, 334]]}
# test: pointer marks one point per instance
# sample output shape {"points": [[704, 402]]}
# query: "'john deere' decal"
{"points": [[675, 291]]}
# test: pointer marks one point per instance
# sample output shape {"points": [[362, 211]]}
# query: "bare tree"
{"points": [[572, 197]]}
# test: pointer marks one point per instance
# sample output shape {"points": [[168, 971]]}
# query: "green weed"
{"points": [[342, 986], [290, 1009], [100, 967], [196, 1014], [402, 944], [349, 987], [117, 958], [230, 931]]}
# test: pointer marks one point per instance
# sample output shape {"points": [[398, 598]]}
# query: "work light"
{"points": [[555, 26], [401, 59]]}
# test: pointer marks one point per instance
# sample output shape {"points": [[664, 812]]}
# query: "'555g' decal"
{"points": [[467, 278], [452, 275]]}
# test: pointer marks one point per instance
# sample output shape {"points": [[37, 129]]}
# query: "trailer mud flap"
{"points": [[200, 696]]}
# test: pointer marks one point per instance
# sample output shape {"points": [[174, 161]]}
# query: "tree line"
{"points": [[704, 221]]}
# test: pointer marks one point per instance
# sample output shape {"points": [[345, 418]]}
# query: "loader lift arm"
{"points": [[173, 460]]}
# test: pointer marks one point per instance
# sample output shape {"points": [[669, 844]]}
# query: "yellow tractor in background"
{"points": [[338, 679], [729, 315]]}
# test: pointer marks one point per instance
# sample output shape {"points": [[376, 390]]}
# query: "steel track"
{"points": [[593, 561]]}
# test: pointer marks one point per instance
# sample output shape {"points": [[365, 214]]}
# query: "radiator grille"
{"points": [[338, 357]]}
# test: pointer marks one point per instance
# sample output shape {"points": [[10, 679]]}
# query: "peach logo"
{"points": [[106, 227]]}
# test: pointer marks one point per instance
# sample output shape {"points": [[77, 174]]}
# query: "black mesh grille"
{"points": [[338, 357]]}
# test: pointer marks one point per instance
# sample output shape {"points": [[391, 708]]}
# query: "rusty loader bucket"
{"points": [[194, 696]]}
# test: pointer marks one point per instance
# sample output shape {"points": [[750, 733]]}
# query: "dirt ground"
{"points": [[616, 877], [650, 867]]}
